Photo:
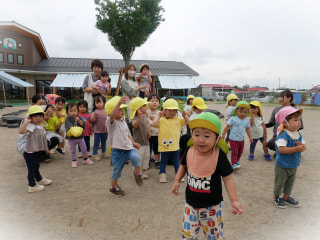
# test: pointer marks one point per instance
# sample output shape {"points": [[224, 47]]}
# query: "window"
{"points": [[1, 57], [20, 59], [10, 58]]}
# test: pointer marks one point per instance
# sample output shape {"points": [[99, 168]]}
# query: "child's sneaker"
{"points": [[291, 202], [80, 155], [145, 174], [74, 164], [60, 150], [45, 182], [251, 157], [157, 164], [105, 155], [278, 201], [138, 178], [235, 167], [238, 163], [89, 154], [88, 161], [162, 178], [53, 150], [36, 188], [116, 191], [96, 158], [267, 157]]}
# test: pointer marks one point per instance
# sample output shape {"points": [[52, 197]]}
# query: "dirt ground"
{"points": [[78, 206]]}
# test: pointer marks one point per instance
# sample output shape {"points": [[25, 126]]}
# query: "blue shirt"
{"points": [[291, 160], [238, 128]]}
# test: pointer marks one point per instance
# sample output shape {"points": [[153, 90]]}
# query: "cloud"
{"points": [[237, 70]]}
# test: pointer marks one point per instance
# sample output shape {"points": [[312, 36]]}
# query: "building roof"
{"points": [[257, 89], [217, 86], [28, 33]]}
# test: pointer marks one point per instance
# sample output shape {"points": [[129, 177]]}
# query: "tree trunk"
{"points": [[126, 59]]}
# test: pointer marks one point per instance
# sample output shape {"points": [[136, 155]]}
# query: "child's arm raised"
{"points": [[155, 122], [115, 110], [22, 129], [232, 193], [176, 184], [135, 123], [248, 130]]}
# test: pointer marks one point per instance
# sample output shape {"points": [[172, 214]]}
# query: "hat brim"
{"points": [[194, 123], [201, 107]]}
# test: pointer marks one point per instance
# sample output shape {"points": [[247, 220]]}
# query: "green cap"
{"points": [[242, 104]]}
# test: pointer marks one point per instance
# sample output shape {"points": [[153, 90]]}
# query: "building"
{"points": [[23, 55]]}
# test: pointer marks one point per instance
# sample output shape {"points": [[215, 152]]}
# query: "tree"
{"points": [[128, 23]]}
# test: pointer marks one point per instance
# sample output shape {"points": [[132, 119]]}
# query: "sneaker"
{"points": [[145, 174], [88, 161], [47, 158], [60, 150], [116, 191], [238, 163], [36, 188], [104, 155], [138, 178], [45, 182], [278, 201], [74, 164], [162, 178], [291, 202], [267, 157], [96, 158], [89, 154], [251, 157], [235, 167], [157, 165], [53, 150], [80, 155]]}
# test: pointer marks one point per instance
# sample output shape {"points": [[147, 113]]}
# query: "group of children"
{"points": [[204, 160]]}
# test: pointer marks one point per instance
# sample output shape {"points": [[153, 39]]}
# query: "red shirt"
{"points": [[87, 117]]}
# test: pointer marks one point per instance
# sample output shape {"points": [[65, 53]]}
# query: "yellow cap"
{"points": [[257, 104], [198, 102], [142, 65], [190, 96], [35, 109], [171, 104], [231, 97], [135, 104], [112, 103]]}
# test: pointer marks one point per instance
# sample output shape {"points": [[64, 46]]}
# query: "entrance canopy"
{"points": [[14, 80], [176, 82], [76, 80]]}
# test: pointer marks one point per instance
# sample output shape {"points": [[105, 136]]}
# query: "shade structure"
{"points": [[76, 80], [14, 80], [176, 82]]}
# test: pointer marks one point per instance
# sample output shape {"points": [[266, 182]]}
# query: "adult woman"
{"points": [[96, 67], [285, 99], [129, 85]]}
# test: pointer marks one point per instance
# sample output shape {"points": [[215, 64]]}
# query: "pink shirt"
{"points": [[101, 85], [87, 117], [100, 125]]}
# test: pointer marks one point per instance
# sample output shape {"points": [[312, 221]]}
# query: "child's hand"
{"points": [[123, 100], [251, 140], [48, 152], [162, 113], [27, 119], [236, 208], [300, 146], [139, 113], [136, 145], [151, 118], [175, 188], [78, 120]]}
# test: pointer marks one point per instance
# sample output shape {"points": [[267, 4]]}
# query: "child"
{"points": [[102, 86], [188, 106], [169, 135], [53, 126], [205, 163], [36, 142], [141, 132], [83, 112], [198, 105], [232, 101], [238, 125], [76, 138], [98, 119], [122, 145], [152, 112], [258, 130], [61, 114], [144, 79], [289, 146]]}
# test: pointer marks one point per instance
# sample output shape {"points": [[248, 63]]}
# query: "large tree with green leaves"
{"points": [[128, 23]]}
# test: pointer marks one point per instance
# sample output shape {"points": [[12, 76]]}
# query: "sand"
{"points": [[78, 206]]}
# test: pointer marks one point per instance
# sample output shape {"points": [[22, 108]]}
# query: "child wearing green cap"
{"points": [[239, 125], [206, 163]]}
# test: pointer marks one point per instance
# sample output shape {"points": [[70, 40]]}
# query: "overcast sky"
{"points": [[236, 42]]}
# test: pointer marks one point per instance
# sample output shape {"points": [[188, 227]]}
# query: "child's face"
{"points": [[50, 111], [254, 110], [242, 112], [233, 102], [171, 113], [191, 101], [59, 106], [203, 139], [154, 103], [104, 79], [82, 109], [143, 108], [120, 114], [73, 112], [37, 119], [145, 71], [99, 105], [41, 102], [294, 123]]}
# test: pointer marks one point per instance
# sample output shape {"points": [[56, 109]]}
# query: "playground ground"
{"points": [[78, 206]]}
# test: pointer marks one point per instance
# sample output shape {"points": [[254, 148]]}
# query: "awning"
{"points": [[175, 82], [76, 80], [14, 80]]}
